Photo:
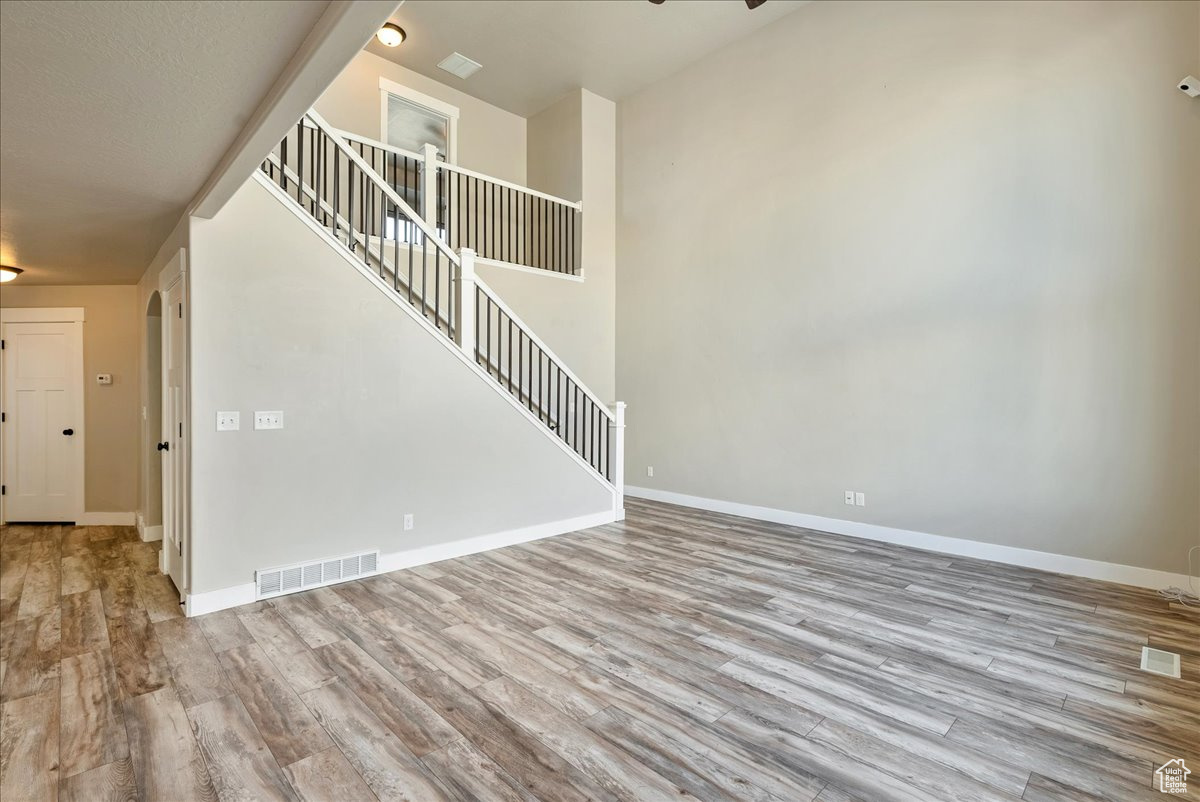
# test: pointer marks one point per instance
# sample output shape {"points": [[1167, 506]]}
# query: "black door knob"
{"points": [[164, 446], [68, 432]]}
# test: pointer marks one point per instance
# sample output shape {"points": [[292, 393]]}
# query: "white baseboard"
{"points": [[214, 600], [152, 533], [107, 519], [1042, 560]]}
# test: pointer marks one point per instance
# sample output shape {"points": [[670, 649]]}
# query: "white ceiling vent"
{"points": [[302, 576], [459, 65], [1156, 661]]}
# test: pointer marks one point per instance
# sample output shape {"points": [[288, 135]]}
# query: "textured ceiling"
{"points": [[533, 52], [113, 114]]}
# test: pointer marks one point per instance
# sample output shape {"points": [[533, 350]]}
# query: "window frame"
{"points": [[440, 107]]}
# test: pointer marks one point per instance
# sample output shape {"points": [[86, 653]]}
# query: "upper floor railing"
{"points": [[499, 220]]}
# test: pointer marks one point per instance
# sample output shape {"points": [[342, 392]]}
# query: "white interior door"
{"points": [[43, 418], [174, 487]]}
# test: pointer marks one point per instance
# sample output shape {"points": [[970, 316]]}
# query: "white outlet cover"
{"points": [[229, 421], [272, 419], [408, 522], [860, 499], [650, 470]]}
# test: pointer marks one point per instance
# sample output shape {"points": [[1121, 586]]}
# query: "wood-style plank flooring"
{"points": [[676, 655]]}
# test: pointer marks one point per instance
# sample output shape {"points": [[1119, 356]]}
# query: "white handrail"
{"points": [[383, 185], [523, 326], [576, 205], [408, 154]]}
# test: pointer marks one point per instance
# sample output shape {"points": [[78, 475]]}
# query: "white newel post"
{"points": [[618, 457], [429, 185], [464, 302]]}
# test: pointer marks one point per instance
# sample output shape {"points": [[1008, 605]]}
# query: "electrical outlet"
{"points": [[860, 499], [850, 497], [408, 521], [229, 421], [103, 378], [268, 420], [650, 470]]}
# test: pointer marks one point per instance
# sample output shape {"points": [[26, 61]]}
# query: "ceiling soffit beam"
{"points": [[341, 32]]}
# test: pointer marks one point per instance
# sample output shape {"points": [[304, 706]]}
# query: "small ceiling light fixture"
{"points": [[8, 273], [391, 35]]}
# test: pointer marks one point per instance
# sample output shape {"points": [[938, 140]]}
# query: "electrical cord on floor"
{"points": [[1188, 597]]}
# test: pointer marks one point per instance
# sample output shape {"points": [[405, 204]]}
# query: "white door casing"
{"points": [[43, 428], [174, 427]]}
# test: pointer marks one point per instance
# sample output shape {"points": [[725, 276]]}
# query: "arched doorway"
{"points": [[152, 432]]}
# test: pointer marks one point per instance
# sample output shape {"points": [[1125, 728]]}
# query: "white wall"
{"points": [[947, 254], [380, 419]]}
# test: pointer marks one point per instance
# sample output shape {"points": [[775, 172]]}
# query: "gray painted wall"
{"points": [[380, 419], [945, 254]]}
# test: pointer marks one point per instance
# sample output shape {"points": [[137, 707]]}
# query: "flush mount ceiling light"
{"points": [[391, 35], [8, 273]]}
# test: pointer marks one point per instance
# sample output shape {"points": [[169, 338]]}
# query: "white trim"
{"points": [[56, 314], [440, 337], [106, 519], [214, 600], [441, 107], [152, 533], [533, 271], [1011, 555]]}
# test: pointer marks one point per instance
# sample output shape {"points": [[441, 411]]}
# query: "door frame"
{"points": [[173, 275], [48, 314]]}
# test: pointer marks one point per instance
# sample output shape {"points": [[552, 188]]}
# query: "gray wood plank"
{"points": [[327, 777], [92, 724], [166, 760], [387, 767], [239, 763], [286, 725]]}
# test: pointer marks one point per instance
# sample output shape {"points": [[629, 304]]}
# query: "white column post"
{"points": [[618, 457], [464, 302], [429, 186]]}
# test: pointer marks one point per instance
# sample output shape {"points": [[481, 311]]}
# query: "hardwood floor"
{"points": [[676, 655]]}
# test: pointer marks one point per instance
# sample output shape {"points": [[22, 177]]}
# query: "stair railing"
{"points": [[370, 215], [499, 220]]}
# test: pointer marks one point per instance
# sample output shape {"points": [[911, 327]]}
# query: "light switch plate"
{"points": [[268, 420], [229, 421], [850, 497], [103, 378]]}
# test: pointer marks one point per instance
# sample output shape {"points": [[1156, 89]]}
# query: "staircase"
{"points": [[364, 194]]}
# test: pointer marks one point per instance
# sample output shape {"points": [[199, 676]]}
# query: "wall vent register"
{"points": [[302, 576]]}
